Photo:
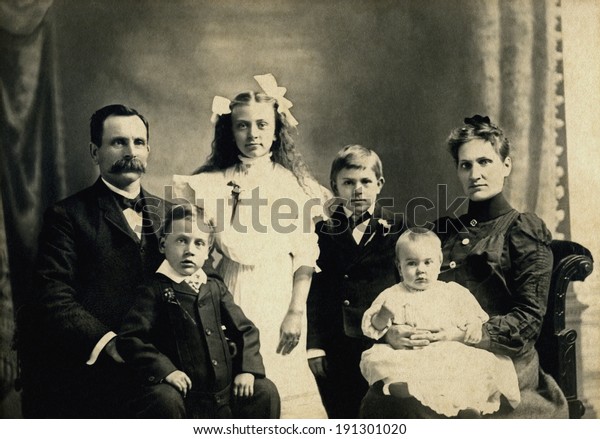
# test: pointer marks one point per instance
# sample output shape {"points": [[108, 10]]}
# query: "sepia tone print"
{"points": [[393, 75]]}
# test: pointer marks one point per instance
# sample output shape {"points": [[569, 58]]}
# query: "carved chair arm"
{"points": [[557, 344]]}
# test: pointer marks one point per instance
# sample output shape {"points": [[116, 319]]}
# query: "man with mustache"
{"points": [[96, 247]]}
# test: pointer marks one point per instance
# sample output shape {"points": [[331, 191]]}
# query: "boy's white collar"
{"points": [[166, 269]]}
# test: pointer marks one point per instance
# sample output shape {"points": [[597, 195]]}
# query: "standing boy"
{"points": [[357, 262], [173, 337]]}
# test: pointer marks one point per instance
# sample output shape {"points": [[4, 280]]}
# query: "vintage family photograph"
{"points": [[299, 209]]}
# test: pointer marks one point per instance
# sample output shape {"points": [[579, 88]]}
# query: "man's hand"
{"points": [[243, 385], [318, 366], [111, 351], [180, 381]]}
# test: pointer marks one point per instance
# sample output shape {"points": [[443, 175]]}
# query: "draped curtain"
{"points": [[516, 73], [31, 156]]}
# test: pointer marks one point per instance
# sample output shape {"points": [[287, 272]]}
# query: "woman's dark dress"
{"points": [[503, 257]]}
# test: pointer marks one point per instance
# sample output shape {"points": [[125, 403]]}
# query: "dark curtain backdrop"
{"points": [[393, 75], [31, 161]]}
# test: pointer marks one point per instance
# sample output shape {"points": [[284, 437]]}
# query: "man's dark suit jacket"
{"points": [[351, 277], [89, 265]]}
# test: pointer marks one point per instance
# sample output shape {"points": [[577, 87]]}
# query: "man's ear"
{"points": [[94, 152], [161, 245]]}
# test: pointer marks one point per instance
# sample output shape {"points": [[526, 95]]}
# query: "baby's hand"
{"points": [[381, 319], [473, 332], [180, 381], [243, 385], [386, 313]]}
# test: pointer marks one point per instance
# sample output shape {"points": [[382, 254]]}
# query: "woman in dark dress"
{"points": [[503, 257]]}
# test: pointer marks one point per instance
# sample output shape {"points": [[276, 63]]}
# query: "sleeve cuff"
{"points": [[370, 331], [301, 261], [315, 353], [386, 389], [99, 346]]}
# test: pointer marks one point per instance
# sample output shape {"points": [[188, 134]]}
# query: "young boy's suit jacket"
{"points": [[350, 278], [172, 327], [351, 275]]}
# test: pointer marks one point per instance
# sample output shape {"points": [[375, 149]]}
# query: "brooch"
{"points": [[236, 189], [235, 195], [169, 295]]}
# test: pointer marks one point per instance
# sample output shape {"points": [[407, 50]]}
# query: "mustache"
{"points": [[128, 165]]}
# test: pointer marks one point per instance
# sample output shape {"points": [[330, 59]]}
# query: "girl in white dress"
{"points": [[258, 192], [452, 378]]}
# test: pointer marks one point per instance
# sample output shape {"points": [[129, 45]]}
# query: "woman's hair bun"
{"points": [[477, 120]]}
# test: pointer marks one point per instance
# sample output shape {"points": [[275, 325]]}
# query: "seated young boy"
{"points": [[174, 339], [356, 260]]}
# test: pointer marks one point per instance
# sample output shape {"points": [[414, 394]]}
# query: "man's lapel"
{"points": [[112, 211], [153, 211]]}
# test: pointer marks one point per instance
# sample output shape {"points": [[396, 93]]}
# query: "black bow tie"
{"points": [[353, 221], [135, 204]]}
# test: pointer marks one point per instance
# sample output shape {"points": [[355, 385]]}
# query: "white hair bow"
{"points": [[269, 85], [220, 106]]}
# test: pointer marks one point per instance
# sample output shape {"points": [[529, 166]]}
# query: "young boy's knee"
{"points": [[160, 401], [264, 403]]}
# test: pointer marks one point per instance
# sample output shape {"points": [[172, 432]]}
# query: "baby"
{"points": [[450, 375]]}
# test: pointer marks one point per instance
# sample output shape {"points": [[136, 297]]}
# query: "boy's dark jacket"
{"points": [[351, 277], [172, 327]]}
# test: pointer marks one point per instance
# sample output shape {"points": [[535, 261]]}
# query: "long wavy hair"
{"points": [[225, 152]]}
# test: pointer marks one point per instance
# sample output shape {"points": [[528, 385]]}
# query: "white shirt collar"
{"points": [[166, 269], [134, 192]]}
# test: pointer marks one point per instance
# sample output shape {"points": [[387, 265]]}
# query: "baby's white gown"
{"points": [[447, 376], [261, 250]]}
